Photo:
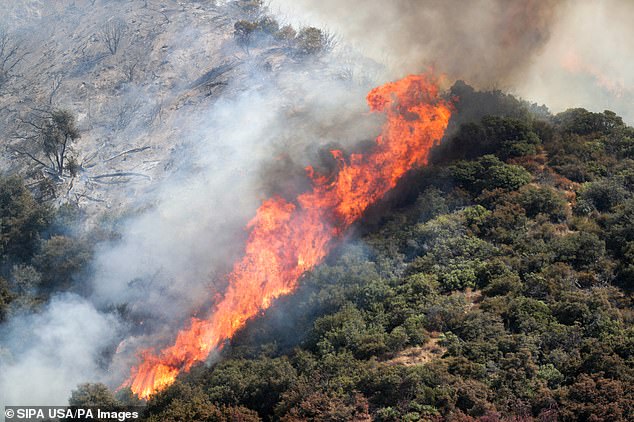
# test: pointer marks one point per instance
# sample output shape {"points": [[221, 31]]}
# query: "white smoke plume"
{"points": [[45, 355]]}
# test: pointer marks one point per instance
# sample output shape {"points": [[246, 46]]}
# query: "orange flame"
{"points": [[288, 238]]}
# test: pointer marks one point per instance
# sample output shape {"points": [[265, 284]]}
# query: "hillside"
{"points": [[141, 80], [145, 142], [499, 287], [129, 172]]}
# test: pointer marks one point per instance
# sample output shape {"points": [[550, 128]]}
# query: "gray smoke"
{"points": [[515, 45], [485, 42], [588, 60]]}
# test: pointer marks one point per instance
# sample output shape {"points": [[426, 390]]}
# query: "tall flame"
{"points": [[288, 238]]}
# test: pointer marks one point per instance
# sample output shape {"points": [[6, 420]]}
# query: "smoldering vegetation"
{"points": [[189, 114]]}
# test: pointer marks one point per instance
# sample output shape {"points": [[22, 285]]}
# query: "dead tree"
{"points": [[56, 85], [251, 9], [125, 112], [11, 54], [111, 34]]}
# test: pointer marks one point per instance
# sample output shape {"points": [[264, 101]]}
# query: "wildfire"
{"points": [[288, 238]]}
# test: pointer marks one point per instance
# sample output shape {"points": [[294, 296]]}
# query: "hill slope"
{"points": [[498, 288], [495, 283]]}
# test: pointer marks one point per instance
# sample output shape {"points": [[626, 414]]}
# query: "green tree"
{"points": [[60, 260], [5, 299], [93, 395], [489, 173], [22, 220], [506, 137], [256, 384], [543, 200], [25, 284], [582, 250], [311, 41], [584, 122], [184, 402], [601, 195], [48, 140]]}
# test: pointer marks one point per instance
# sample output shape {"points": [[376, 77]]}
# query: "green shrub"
{"points": [[22, 220]]}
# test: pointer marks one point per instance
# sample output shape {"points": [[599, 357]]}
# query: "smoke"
{"points": [[559, 53], [224, 154], [169, 263], [588, 61], [486, 42], [43, 356]]}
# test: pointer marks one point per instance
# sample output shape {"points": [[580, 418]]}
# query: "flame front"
{"points": [[288, 238]]}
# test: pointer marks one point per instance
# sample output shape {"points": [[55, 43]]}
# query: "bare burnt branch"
{"points": [[112, 33]]}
